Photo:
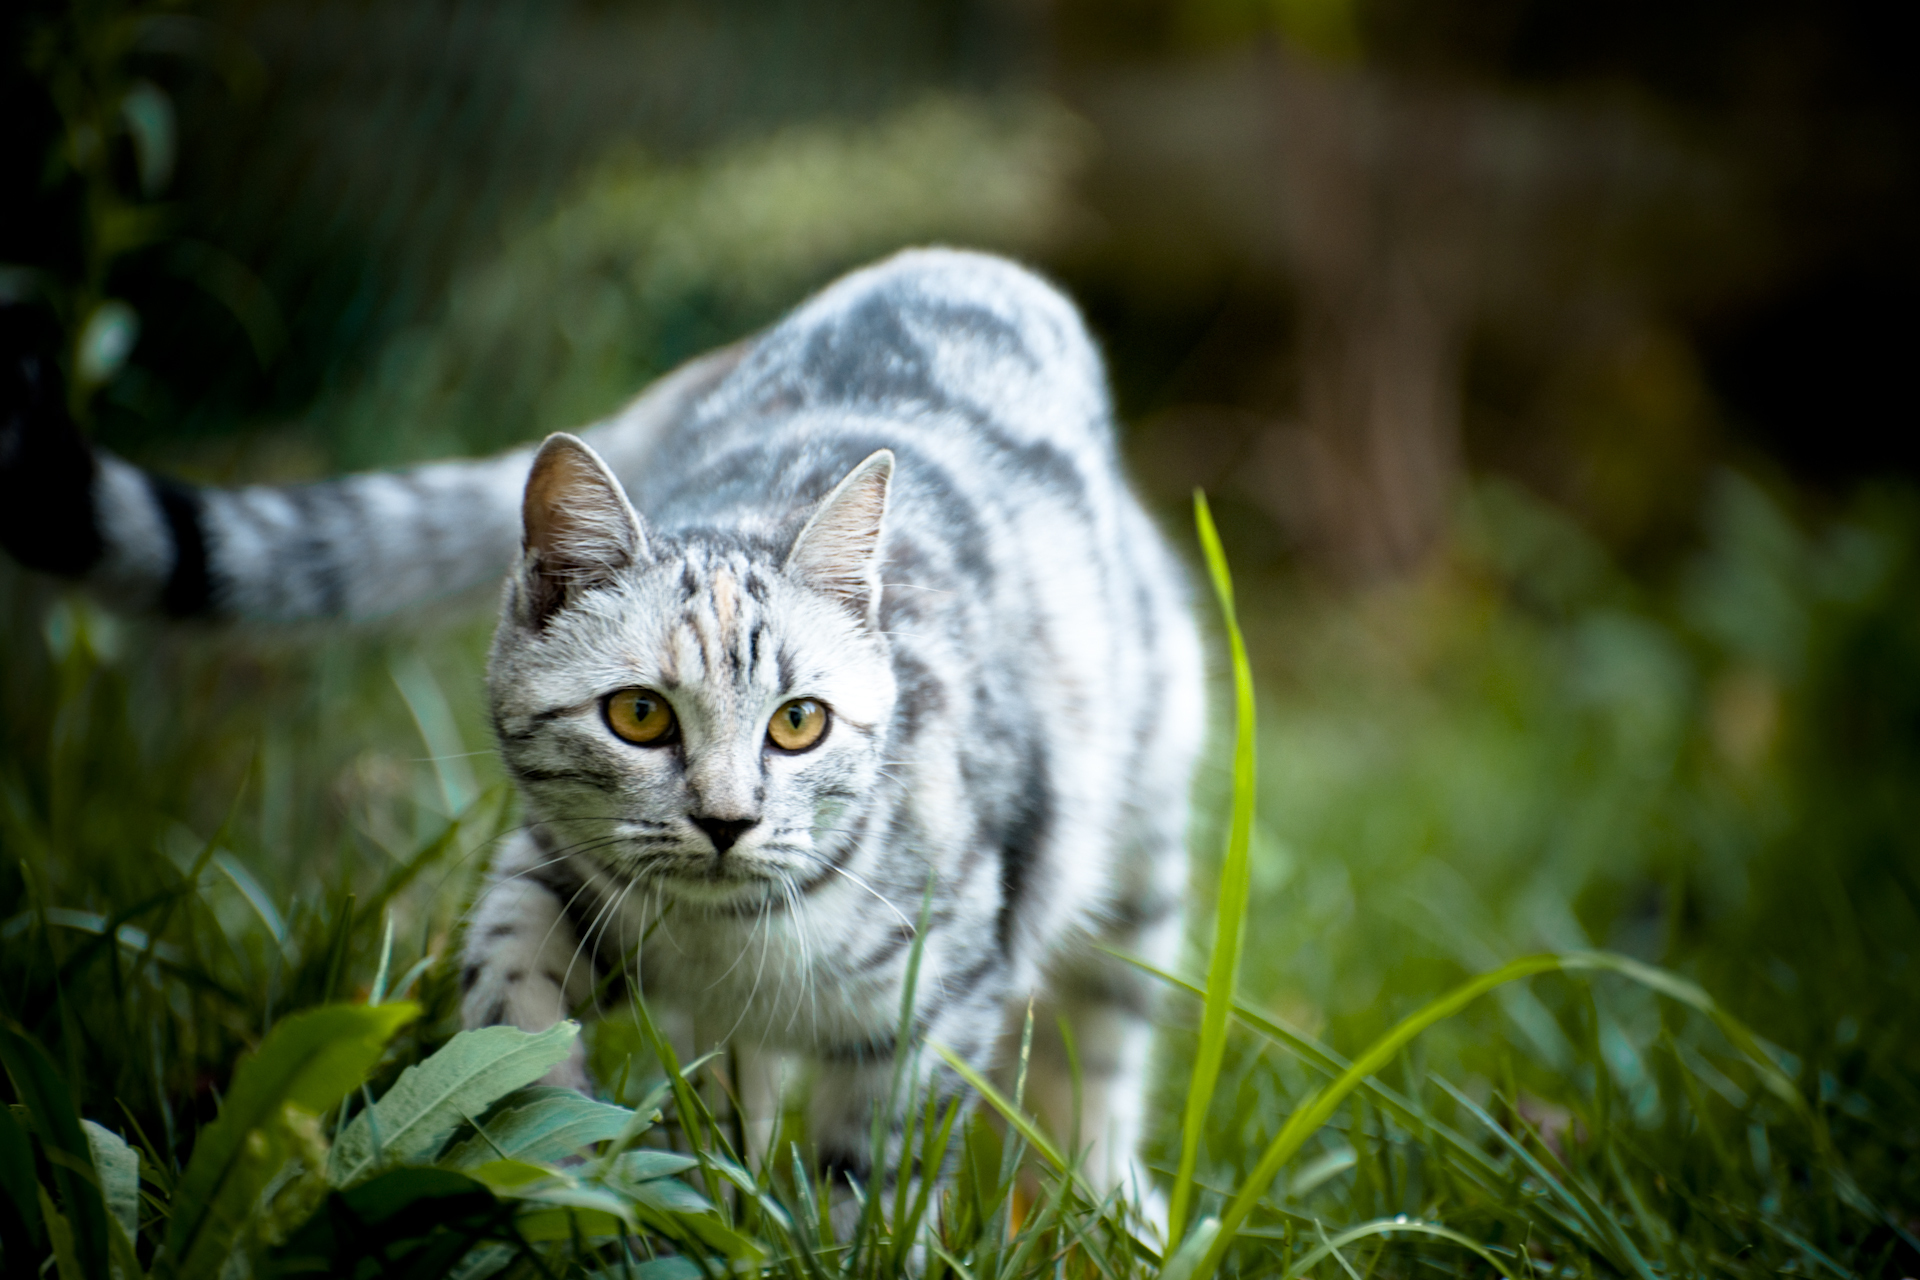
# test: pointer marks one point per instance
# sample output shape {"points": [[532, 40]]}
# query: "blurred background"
{"points": [[1548, 366]]}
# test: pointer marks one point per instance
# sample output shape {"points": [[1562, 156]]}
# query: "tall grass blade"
{"points": [[1315, 1111], [1389, 1226], [20, 1226], [1021, 1123], [38, 1084], [1235, 876]]}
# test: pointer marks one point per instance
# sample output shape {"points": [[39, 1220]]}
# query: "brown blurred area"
{"points": [[1342, 252], [1598, 251]]}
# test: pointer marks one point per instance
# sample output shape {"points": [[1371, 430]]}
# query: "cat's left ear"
{"points": [[580, 529], [838, 551]]}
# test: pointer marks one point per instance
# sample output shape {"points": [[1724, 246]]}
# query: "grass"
{"points": [[264, 1013]]}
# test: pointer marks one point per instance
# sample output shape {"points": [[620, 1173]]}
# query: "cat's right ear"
{"points": [[580, 529]]}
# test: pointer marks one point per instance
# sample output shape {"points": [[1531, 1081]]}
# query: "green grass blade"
{"points": [[1331, 1064], [1012, 1114], [1389, 1226], [1235, 875], [1587, 1217], [39, 1085], [1315, 1111], [20, 1227]]}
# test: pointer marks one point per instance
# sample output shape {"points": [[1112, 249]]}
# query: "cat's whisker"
{"points": [[879, 897], [581, 849], [607, 916]]}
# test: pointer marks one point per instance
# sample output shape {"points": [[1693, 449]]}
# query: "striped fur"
{"points": [[1002, 640]]}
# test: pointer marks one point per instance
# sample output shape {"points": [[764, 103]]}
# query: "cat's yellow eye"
{"points": [[797, 725], [640, 716]]}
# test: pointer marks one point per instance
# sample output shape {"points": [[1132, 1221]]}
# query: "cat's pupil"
{"points": [[796, 715]]}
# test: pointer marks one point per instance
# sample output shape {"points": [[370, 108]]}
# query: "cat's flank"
{"points": [[859, 607]]}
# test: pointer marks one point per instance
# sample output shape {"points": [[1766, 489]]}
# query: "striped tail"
{"points": [[361, 546]]}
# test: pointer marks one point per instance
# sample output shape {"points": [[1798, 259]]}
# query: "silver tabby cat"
{"points": [[861, 605]]}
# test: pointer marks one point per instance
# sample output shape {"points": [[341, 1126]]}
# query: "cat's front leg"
{"points": [[523, 963], [856, 1084]]}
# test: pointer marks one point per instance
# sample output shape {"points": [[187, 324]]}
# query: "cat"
{"points": [[856, 615]]}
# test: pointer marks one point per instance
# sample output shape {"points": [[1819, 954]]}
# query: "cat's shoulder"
{"points": [[932, 326]]}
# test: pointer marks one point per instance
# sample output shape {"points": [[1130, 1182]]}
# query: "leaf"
{"points": [[645, 1166], [118, 1167], [38, 1084], [670, 1195], [60, 1236], [540, 1125], [431, 1099], [658, 1269], [20, 1225], [545, 1225], [312, 1060], [404, 1222], [1236, 870]]}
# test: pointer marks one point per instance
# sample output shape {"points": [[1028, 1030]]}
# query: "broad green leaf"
{"points": [[37, 1083], [510, 1175], [311, 1060], [118, 1166], [484, 1261], [670, 1195], [540, 1125], [544, 1225], [470, 1073], [658, 1269], [645, 1166], [20, 1226], [561, 1192]]}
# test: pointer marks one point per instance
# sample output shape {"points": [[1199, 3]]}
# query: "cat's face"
{"points": [[701, 717]]}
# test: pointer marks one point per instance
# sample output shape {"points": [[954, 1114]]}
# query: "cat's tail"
{"points": [[360, 546]]}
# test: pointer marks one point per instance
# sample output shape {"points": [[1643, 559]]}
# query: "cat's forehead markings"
{"points": [[725, 596]]}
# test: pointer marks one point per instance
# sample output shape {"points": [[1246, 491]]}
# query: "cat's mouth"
{"points": [[711, 879]]}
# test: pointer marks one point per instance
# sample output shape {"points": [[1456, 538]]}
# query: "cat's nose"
{"points": [[724, 832]]}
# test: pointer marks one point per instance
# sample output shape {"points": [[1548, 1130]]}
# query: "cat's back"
{"points": [[976, 370]]}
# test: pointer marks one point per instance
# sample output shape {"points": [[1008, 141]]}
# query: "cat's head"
{"points": [[704, 712]]}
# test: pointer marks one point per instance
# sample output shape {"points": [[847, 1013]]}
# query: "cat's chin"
{"points": [[705, 887]]}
